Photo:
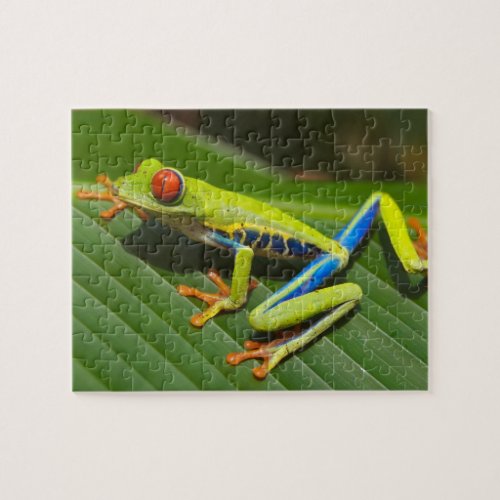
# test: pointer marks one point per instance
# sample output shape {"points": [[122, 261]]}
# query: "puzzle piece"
{"points": [[290, 186]]}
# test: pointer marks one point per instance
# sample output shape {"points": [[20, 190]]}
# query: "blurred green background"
{"points": [[131, 329]]}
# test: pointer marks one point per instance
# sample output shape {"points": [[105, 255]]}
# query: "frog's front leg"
{"points": [[110, 195], [231, 297]]}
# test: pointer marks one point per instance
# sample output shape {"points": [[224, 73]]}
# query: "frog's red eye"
{"points": [[167, 185]]}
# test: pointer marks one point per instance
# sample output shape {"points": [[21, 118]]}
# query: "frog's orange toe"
{"points": [[118, 205], [252, 344], [233, 358], [210, 298], [185, 291], [263, 350], [198, 320], [420, 243], [260, 372]]}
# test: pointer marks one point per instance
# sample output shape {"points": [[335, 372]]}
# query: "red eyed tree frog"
{"points": [[246, 226]]}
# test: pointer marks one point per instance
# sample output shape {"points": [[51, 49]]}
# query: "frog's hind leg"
{"points": [[339, 299], [301, 300], [412, 254], [293, 304]]}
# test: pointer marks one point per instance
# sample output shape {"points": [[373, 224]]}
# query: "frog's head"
{"points": [[152, 187]]}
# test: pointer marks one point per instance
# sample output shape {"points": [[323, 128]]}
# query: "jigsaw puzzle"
{"points": [[269, 249]]}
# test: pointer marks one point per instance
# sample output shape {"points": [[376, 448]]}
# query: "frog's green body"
{"points": [[230, 220], [205, 208]]}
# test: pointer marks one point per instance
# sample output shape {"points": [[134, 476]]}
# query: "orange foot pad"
{"points": [[257, 350], [420, 243], [263, 350]]}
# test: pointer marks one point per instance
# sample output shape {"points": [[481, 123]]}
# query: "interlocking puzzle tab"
{"points": [[270, 249]]}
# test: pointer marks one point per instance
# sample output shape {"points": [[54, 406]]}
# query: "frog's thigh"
{"points": [[299, 309]]}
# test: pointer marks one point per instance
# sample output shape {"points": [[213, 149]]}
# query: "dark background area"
{"points": [[343, 144]]}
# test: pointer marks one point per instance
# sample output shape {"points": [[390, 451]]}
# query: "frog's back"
{"points": [[251, 222]]}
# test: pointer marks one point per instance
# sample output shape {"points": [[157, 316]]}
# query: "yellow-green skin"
{"points": [[204, 211], [216, 209]]}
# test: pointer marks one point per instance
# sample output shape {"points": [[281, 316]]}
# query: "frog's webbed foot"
{"points": [[270, 352], [109, 195], [217, 302], [420, 243]]}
